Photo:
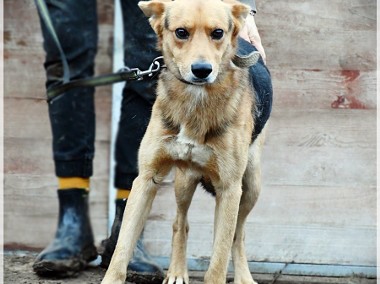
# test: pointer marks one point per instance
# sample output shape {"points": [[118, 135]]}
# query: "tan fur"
{"points": [[204, 130]]}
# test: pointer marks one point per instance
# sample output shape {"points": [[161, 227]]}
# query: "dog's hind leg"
{"points": [[251, 190], [185, 185]]}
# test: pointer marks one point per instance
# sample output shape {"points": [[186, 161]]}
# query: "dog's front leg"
{"points": [[185, 185], [226, 211], [135, 214]]}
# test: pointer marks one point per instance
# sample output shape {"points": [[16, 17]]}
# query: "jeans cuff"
{"points": [[76, 168], [124, 181]]}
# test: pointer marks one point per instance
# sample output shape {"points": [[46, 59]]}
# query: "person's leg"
{"points": [[72, 121], [138, 98]]}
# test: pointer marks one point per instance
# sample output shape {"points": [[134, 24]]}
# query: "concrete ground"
{"points": [[18, 269]]}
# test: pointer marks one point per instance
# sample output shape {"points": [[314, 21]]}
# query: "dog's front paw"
{"points": [[173, 279]]}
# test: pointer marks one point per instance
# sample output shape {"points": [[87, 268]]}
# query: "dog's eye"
{"points": [[217, 34], [182, 33]]}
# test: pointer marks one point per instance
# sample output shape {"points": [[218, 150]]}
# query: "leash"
{"points": [[124, 74]]}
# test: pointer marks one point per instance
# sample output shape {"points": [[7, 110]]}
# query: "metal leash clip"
{"points": [[156, 66]]}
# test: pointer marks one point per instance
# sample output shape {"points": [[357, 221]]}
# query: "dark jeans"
{"points": [[72, 116]]}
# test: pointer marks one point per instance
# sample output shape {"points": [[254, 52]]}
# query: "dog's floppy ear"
{"points": [[154, 10]]}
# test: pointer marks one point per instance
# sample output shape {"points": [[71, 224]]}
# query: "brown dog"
{"points": [[202, 124]]}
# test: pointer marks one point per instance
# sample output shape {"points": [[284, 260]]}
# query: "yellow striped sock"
{"points": [[122, 193], [73, 182]]}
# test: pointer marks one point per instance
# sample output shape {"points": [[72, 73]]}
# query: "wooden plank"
{"points": [[320, 89], [300, 224], [15, 36], [31, 120], [24, 68], [34, 157], [284, 205], [273, 243], [326, 148], [319, 34], [327, 129]]}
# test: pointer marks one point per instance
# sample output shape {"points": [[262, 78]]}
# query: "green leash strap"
{"points": [[128, 75], [125, 74], [44, 13]]}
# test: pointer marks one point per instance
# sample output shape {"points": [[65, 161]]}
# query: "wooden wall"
{"points": [[318, 203]]}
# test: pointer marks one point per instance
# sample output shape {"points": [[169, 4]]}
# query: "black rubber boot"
{"points": [[141, 268], [73, 245]]}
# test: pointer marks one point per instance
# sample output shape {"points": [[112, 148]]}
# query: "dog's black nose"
{"points": [[201, 70]]}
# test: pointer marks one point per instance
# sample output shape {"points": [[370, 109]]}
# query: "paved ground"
{"points": [[18, 269]]}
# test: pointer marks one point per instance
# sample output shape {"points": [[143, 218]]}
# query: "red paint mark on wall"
{"points": [[348, 102], [349, 99], [350, 75]]}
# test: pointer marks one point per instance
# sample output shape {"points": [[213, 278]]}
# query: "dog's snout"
{"points": [[201, 70]]}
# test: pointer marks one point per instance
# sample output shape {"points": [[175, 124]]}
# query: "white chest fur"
{"points": [[183, 148]]}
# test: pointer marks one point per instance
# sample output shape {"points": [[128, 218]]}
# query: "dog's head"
{"points": [[197, 37]]}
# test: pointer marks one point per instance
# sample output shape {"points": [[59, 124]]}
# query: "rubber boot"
{"points": [[141, 268], [73, 245]]}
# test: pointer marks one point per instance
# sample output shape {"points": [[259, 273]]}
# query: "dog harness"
{"points": [[262, 84]]}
